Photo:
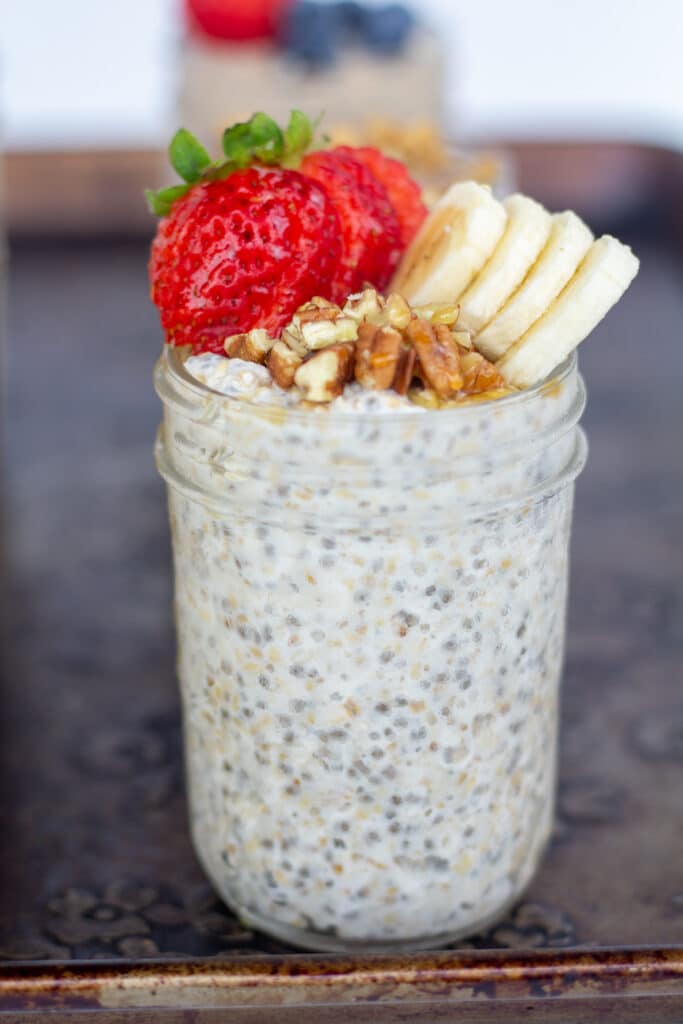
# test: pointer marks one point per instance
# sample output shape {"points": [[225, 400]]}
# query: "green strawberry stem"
{"points": [[259, 140]]}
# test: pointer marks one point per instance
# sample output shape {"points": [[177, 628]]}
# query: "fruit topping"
{"points": [[236, 19], [248, 239], [371, 234], [241, 253], [315, 33], [404, 194], [530, 286]]}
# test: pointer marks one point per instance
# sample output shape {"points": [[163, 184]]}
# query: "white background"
{"points": [[100, 72]]}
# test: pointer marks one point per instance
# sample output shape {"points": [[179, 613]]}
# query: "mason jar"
{"points": [[370, 612]]}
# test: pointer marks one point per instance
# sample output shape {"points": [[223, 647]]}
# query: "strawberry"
{"points": [[404, 193], [246, 240], [371, 245], [240, 245], [236, 19]]}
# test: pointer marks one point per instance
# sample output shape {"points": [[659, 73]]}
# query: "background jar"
{"points": [[371, 616]]}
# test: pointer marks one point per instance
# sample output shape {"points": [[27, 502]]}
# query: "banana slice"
{"points": [[601, 280], [452, 246], [527, 231], [569, 242]]}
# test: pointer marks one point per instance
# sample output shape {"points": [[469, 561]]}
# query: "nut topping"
{"points": [[283, 363], [317, 324], [323, 376], [377, 356], [439, 313], [253, 346], [396, 312], [366, 305], [479, 374], [383, 343], [405, 369], [321, 333], [438, 356]]}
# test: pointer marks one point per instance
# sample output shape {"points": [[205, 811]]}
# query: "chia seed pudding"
{"points": [[370, 603]]}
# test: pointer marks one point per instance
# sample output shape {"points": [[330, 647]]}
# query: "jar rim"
{"points": [[173, 360]]}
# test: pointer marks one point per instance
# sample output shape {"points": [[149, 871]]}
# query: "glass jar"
{"points": [[371, 614]]}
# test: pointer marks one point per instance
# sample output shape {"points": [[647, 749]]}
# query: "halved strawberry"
{"points": [[249, 238], [371, 242], [404, 193], [243, 252]]}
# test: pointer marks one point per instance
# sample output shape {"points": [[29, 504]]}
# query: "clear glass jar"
{"points": [[371, 616]]}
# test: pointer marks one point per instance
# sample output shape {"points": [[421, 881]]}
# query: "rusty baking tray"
{"points": [[104, 912]]}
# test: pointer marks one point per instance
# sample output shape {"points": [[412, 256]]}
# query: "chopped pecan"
{"points": [[377, 355], [317, 307], [317, 324], [366, 305], [479, 374], [439, 313], [438, 355], [283, 363], [321, 333], [396, 312], [405, 371], [323, 376], [253, 346]]}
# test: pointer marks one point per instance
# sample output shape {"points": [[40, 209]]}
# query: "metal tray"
{"points": [[104, 912]]}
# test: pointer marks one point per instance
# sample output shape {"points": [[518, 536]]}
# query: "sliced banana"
{"points": [[600, 281], [452, 246], [527, 231], [568, 243]]}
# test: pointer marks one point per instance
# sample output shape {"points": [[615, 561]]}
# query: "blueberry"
{"points": [[349, 15], [385, 30], [311, 33]]}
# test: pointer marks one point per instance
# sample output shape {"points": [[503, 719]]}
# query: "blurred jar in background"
{"points": [[375, 71], [353, 61]]}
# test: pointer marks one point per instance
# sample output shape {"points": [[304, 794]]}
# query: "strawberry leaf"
{"points": [[160, 202], [187, 155], [237, 144], [267, 140], [298, 134], [258, 140]]}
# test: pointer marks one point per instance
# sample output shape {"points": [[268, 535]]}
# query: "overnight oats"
{"points": [[370, 438]]}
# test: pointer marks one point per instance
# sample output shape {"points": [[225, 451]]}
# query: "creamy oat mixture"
{"points": [[370, 612]]}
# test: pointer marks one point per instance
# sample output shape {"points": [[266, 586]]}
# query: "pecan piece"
{"points": [[439, 313], [365, 305], [396, 311], [283, 364], [253, 346], [405, 371], [377, 355], [323, 376], [320, 333], [317, 324], [479, 374], [438, 355]]}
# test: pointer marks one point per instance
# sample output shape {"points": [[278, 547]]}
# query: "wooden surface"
{"points": [[91, 192], [95, 858]]}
